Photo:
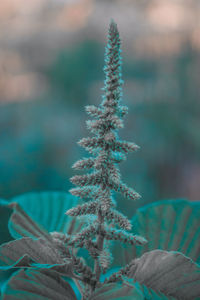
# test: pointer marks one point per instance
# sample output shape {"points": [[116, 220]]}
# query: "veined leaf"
{"points": [[167, 225], [26, 252], [172, 225], [5, 213], [41, 213], [35, 285], [117, 291], [170, 273], [22, 225]]}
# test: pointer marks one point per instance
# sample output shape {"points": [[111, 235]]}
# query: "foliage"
{"points": [[37, 145], [71, 74], [47, 252], [41, 254], [107, 151]]}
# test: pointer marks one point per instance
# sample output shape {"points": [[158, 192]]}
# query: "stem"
{"points": [[79, 286], [100, 240], [77, 277]]}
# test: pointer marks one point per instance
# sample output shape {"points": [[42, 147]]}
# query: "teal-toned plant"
{"points": [[107, 152], [47, 257]]}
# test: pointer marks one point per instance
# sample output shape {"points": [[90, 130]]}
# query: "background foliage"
{"points": [[50, 72]]}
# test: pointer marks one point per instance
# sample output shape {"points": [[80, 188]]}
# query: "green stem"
{"points": [[100, 240], [79, 286]]}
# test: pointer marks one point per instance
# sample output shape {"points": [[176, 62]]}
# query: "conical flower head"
{"points": [[113, 82]]}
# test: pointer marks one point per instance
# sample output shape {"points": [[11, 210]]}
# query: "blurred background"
{"points": [[51, 61]]}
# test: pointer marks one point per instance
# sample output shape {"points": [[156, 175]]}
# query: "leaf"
{"points": [[27, 252], [33, 285], [43, 210], [167, 225], [5, 213], [170, 273], [5, 235], [170, 225], [150, 294], [117, 291], [21, 225]]}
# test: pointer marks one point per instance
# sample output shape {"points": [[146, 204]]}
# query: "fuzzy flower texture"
{"points": [[47, 254], [107, 152]]}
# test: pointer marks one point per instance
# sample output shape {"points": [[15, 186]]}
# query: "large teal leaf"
{"points": [[167, 225], [26, 252], [47, 210], [170, 273], [117, 291], [164, 275], [150, 294], [5, 235], [5, 213], [22, 225], [35, 214], [170, 225], [34, 285]]}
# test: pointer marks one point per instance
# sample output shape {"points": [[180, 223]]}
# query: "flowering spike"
{"points": [[106, 150], [93, 110], [86, 208], [84, 164]]}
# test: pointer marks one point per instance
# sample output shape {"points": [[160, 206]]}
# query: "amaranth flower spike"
{"points": [[107, 152]]}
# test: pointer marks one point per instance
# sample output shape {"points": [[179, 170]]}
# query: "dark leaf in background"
{"points": [[170, 273], [21, 225], [170, 225], [167, 225], [5, 213], [34, 285], [26, 252], [117, 291], [48, 209], [5, 236]]}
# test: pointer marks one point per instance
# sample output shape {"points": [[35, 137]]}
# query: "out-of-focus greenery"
{"points": [[73, 71], [38, 139]]}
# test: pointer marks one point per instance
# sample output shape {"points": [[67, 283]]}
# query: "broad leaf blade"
{"points": [[48, 209], [5, 235], [172, 225], [154, 295], [117, 291], [27, 252], [5, 213], [22, 225], [34, 285], [170, 273]]}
